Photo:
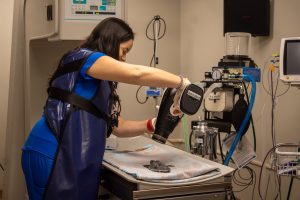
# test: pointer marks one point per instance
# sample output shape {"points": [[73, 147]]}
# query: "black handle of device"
{"points": [[165, 122]]}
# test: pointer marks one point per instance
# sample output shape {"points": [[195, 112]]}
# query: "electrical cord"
{"points": [[260, 173], [263, 72], [267, 188], [220, 146], [275, 62], [241, 181], [254, 184], [137, 98], [273, 110], [273, 100], [160, 35], [214, 150], [159, 19], [233, 196], [290, 187]]}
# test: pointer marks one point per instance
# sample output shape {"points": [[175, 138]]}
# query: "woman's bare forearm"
{"points": [[107, 68], [128, 128]]}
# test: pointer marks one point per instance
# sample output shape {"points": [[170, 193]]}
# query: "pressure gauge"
{"points": [[216, 74]]}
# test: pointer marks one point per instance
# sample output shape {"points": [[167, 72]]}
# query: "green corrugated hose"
{"points": [[185, 133]]}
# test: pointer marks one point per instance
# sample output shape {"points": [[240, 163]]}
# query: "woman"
{"points": [[62, 156]]}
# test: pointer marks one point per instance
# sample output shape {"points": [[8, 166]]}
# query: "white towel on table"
{"points": [[183, 168]]}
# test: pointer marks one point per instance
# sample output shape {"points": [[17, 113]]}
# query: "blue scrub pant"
{"points": [[37, 168]]}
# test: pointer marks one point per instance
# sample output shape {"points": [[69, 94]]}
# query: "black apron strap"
{"points": [[68, 68], [78, 101]]}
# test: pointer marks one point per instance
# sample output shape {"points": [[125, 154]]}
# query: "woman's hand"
{"points": [[175, 108]]}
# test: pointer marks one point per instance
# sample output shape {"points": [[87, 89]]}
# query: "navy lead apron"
{"points": [[80, 126]]}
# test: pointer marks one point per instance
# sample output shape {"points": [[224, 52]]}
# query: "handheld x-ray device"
{"points": [[189, 103]]}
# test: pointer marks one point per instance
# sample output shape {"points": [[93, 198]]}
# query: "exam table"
{"points": [[117, 184]]}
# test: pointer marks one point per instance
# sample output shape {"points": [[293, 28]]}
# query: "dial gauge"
{"points": [[216, 74]]}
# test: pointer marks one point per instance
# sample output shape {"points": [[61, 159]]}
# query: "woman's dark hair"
{"points": [[107, 37]]}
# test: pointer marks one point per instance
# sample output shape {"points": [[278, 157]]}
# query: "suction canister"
{"points": [[204, 139], [200, 138]]}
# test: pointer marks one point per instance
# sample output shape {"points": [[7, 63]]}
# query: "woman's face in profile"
{"points": [[124, 49]]}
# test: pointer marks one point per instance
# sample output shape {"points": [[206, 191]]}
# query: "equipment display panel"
{"points": [[92, 9]]}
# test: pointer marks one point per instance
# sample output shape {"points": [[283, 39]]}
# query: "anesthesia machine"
{"points": [[223, 91]]}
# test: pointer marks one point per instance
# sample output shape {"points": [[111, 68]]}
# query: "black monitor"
{"points": [[250, 16]]}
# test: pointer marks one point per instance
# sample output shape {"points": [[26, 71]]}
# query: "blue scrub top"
{"points": [[41, 138]]}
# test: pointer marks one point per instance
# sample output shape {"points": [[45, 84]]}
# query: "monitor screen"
{"points": [[290, 60], [292, 57]]}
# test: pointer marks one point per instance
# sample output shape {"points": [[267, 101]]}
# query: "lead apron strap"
{"points": [[78, 101], [76, 172]]}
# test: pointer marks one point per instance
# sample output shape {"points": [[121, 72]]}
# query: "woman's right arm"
{"points": [[107, 68]]}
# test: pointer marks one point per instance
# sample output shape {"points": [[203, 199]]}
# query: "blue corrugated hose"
{"points": [[246, 119]]}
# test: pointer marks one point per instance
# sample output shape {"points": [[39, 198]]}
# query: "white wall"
{"points": [[139, 14], [13, 177], [6, 16], [202, 46]]}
